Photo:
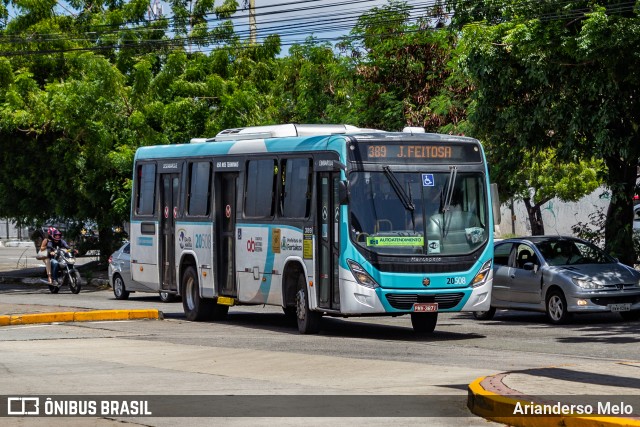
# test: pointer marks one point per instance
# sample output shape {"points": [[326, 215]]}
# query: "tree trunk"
{"points": [[535, 218], [619, 223], [105, 242]]}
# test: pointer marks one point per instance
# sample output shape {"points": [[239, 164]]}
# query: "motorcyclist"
{"points": [[56, 242]]}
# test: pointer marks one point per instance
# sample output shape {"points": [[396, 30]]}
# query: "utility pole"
{"points": [[253, 28]]}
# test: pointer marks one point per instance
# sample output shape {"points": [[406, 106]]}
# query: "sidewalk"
{"points": [[588, 395], [91, 278]]}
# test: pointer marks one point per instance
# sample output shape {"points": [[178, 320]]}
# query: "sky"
{"points": [[295, 20]]}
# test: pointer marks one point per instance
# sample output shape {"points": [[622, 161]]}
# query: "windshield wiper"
{"points": [[446, 207], [406, 200], [451, 182]]}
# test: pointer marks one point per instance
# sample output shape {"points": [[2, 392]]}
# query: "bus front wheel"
{"points": [[308, 321], [424, 323], [195, 307]]}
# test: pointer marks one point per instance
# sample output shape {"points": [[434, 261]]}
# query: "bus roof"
{"points": [[283, 138]]}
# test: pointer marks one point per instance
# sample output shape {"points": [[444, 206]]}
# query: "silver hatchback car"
{"points": [[560, 276], [120, 276]]}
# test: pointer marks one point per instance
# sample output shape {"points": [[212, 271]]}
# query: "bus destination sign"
{"points": [[417, 153]]}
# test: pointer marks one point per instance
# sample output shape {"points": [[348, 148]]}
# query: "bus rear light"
{"points": [[361, 276], [482, 275]]}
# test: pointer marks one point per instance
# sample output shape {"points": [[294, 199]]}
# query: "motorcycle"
{"points": [[68, 275]]}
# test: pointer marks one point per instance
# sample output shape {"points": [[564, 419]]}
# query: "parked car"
{"points": [[561, 276], [120, 276]]}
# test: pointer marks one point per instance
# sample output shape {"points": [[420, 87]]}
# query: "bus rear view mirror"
{"points": [[343, 192], [495, 203]]}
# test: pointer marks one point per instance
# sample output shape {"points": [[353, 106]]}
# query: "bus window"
{"points": [[199, 189], [296, 190], [145, 191], [259, 188]]}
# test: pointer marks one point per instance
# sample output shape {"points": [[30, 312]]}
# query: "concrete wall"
{"points": [[9, 231], [558, 216]]}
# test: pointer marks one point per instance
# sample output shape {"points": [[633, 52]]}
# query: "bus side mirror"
{"points": [[343, 192], [495, 204]]}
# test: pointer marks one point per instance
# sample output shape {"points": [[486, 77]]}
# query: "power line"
{"points": [[285, 27]]}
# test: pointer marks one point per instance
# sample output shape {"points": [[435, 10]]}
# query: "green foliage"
{"points": [[558, 75], [402, 72]]}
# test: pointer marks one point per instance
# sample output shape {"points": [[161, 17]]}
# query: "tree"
{"points": [[560, 75], [537, 177], [402, 72]]}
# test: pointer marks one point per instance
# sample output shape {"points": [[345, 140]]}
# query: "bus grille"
{"points": [[441, 267], [406, 301]]}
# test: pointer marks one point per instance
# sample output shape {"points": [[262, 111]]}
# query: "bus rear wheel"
{"points": [[195, 307], [424, 323], [308, 321]]}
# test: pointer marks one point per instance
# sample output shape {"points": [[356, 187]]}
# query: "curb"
{"points": [[38, 281], [80, 316], [493, 406]]}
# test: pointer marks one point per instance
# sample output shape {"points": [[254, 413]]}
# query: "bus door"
{"points": [[328, 240], [225, 188], [169, 196]]}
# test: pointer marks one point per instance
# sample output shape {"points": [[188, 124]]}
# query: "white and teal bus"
{"points": [[322, 220]]}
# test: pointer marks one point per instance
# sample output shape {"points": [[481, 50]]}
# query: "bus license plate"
{"points": [[425, 307], [620, 307]]}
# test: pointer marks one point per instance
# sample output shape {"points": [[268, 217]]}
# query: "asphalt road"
{"points": [[256, 351]]}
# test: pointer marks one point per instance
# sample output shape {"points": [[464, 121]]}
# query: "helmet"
{"points": [[57, 235], [50, 231]]}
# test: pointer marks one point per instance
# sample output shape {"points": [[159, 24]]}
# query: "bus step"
{"points": [[226, 301]]}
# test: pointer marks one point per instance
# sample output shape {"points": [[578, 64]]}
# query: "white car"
{"points": [[120, 276]]}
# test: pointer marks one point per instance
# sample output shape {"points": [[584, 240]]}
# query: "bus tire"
{"points": [[308, 321], [167, 297], [424, 323], [195, 307]]}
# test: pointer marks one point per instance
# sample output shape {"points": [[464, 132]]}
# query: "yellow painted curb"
{"points": [[80, 316], [492, 406]]}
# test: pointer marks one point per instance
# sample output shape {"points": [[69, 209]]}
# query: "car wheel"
{"points": [[424, 323], [630, 316], [557, 308], [119, 290], [167, 297], [485, 315]]}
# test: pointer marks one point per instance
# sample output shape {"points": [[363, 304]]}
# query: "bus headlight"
{"points": [[482, 275], [361, 276]]}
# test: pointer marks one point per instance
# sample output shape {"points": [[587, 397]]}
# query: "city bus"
{"points": [[322, 220]]}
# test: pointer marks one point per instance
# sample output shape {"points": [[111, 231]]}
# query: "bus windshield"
{"points": [[418, 213]]}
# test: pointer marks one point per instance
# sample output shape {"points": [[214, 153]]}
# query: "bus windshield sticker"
{"points": [[434, 246], [395, 241]]}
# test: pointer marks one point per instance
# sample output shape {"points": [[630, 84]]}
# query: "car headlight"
{"points": [[361, 276], [587, 284], [482, 275]]}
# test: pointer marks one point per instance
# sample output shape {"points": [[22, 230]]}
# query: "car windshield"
{"points": [[418, 213], [570, 252]]}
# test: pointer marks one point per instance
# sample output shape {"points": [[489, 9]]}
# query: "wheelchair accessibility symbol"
{"points": [[427, 180]]}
